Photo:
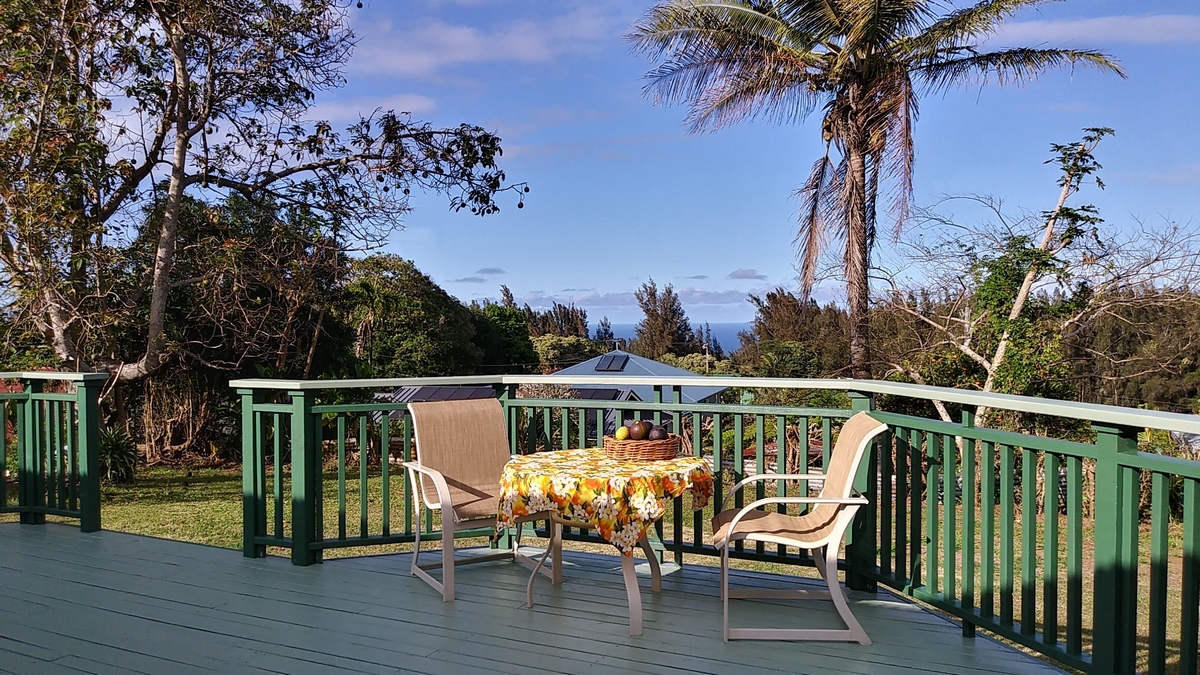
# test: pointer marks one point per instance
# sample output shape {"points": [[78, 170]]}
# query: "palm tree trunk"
{"points": [[857, 253]]}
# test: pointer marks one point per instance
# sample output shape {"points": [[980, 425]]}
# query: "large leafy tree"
{"points": [[863, 63], [406, 325], [502, 333], [101, 100]]}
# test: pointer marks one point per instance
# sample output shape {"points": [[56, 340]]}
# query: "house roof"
{"points": [[433, 393], [620, 363]]}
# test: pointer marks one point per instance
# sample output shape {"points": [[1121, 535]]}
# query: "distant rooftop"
{"points": [[619, 363]]}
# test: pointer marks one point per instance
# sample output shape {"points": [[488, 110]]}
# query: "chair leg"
{"points": [[416, 564], [819, 559], [839, 596], [447, 562], [725, 591]]}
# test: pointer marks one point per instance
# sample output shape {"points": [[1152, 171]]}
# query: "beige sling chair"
{"points": [[462, 447], [819, 530]]}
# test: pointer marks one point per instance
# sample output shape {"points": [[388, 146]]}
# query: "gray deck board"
{"points": [[109, 602]]}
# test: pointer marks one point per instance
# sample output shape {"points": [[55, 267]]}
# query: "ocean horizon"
{"points": [[726, 334]]}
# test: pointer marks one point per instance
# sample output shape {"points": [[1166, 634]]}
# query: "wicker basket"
{"points": [[642, 451]]}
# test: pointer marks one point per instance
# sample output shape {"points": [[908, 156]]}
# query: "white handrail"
{"points": [[1093, 412]]}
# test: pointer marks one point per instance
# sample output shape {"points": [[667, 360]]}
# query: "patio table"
{"points": [[619, 498]]}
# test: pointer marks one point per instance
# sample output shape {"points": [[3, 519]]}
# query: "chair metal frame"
{"points": [[452, 524], [825, 551]]}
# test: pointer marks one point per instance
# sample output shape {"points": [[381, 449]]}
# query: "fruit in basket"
{"points": [[622, 433], [639, 430], [656, 434]]}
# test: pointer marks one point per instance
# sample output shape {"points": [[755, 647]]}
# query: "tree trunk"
{"points": [[857, 253], [1023, 292], [164, 255]]}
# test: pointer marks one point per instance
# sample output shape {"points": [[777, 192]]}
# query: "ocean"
{"points": [[724, 333]]}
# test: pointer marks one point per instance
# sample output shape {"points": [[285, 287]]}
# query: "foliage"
{"points": [[556, 352], [862, 63], [604, 335], [212, 96], [406, 325], [257, 285], [561, 320], [664, 328], [534, 423], [704, 364], [787, 359], [21, 348], [502, 334], [780, 316], [118, 456]]}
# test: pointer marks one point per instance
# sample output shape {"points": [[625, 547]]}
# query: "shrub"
{"points": [[118, 456]]}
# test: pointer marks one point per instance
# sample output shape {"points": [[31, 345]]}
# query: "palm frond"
{"points": [[813, 233], [874, 168], [966, 26], [729, 61], [677, 28], [778, 90], [873, 26], [900, 108], [1018, 65]]}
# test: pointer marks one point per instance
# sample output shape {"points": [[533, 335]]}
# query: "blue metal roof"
{"points": [[639, 366]]}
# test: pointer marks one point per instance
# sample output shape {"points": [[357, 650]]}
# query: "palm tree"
{"points": [[864, 63]]}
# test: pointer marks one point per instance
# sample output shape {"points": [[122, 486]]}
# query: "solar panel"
{"points": [[612, 363]]}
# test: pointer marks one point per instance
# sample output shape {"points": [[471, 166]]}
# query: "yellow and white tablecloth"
{"points": [[620, 498]]}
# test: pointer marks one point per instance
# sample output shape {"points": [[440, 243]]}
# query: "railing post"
{"points": [[29, 461], [1116, 520], [862, 544], [254, 498], [87, 408], [506, 393], [306, 480]]}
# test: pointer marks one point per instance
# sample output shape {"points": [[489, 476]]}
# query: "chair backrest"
{"points": [[467, 442], [857, 433]]}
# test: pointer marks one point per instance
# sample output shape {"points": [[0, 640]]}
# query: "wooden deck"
{"points": [[116, 603]]}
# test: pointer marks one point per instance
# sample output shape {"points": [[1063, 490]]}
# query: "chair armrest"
{"points": [[769, 476], [841, 501], [444, 501]]}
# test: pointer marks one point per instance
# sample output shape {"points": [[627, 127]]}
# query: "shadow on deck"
{"points": [[117, 603]]}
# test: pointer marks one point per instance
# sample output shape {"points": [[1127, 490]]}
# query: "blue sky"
{"points": [[621, 192]]}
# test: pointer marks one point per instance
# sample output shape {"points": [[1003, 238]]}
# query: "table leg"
{"points": [[556, 546], [655, 570], [536, 569], [635, 595]]}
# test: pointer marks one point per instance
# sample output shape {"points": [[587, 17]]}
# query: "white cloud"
{"points": [[692, 297], [1142, 29], [425, 49], [747, 274], [689, 297], [348, 111]]}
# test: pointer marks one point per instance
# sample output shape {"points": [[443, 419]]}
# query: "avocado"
{"points": [[638, 431], [657, 434]]}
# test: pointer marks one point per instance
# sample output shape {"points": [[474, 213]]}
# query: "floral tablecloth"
{"points": [[622, 499]]}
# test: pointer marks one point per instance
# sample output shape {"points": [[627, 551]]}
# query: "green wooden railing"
{"points": [[56, 446], [1088, 553]]}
